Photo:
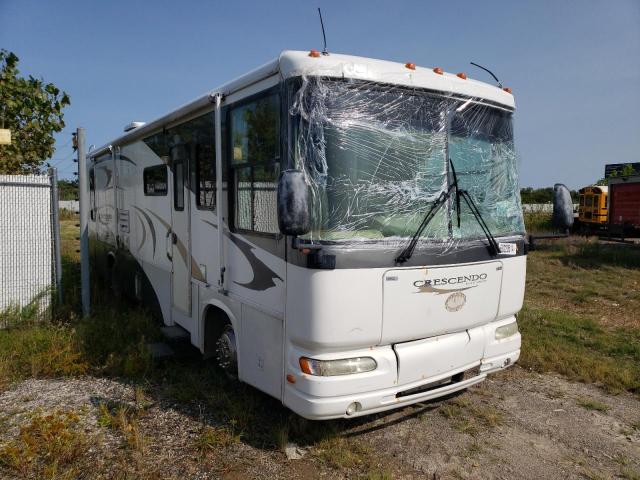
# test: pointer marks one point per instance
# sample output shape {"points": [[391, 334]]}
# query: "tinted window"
{"points": [[178, 185], [255, 152], [196, 141], [205, 172], [255, 129], [155, 180]]}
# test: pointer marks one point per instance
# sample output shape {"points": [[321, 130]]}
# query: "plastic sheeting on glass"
{"points": [[376, 158]]}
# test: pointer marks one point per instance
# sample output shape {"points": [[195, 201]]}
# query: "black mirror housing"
{"points": [[293, 203]]}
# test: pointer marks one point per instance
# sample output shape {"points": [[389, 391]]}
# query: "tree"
{"points": [[68, 189], [32, 110]]}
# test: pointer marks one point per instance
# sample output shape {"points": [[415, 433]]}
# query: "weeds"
{"points": [[39, 351], [589, 404], [339, 452], [538, 222], [47, 447], [580, 348], [122, 419], [469, 418], [215, 438]]}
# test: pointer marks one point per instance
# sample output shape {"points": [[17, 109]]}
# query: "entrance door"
{"points": [[180, 227]]}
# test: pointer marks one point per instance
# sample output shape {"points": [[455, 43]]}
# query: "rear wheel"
{"points": [[227, 353]]}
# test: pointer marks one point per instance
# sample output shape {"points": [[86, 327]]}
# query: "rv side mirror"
{"points": [[293, 203]]}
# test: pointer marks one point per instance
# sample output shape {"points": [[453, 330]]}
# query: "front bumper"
{"points": [[441, 372], [326, 408]]}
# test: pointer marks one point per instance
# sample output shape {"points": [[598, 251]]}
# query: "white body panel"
{"points": [[418, 304], [192, 261]]}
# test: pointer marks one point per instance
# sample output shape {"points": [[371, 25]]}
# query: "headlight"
{"points": [[344, 366], [506, 330]]}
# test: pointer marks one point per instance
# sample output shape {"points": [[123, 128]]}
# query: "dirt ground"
{"points": [[517, 424]]}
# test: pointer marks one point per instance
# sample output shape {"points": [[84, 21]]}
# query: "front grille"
{"points": [[458, 377]]}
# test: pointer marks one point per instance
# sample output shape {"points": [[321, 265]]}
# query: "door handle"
{"points": [[168, 244]]}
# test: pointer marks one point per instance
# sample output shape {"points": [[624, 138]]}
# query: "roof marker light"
{"points": [[438, 70], [461, 75], [410, 66], [508, 90], [314, 53]]}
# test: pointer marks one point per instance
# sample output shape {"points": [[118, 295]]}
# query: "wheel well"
{"points": [[111, 260], [215, 320]]}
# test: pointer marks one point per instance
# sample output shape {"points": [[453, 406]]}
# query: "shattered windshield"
{"points": [[376, 157]]}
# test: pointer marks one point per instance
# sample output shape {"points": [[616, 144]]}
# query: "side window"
{"points": [[178, 184], [255, 163], [205, 173], [155, 180], [92, 193]]}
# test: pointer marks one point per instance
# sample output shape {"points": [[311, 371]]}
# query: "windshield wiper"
{"points": [[435, 206], [494, 249]]}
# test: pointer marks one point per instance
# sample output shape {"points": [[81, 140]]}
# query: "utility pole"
{"points": [[83, 185]]}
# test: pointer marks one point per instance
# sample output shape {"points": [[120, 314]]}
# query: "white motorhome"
{"points": [[344, 234]]}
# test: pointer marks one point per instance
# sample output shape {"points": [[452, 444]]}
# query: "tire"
{"points": [[226, 352]]}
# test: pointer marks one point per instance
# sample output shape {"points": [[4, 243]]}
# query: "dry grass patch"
{"points": [[343, 453], [39, 351], [216, 438], [470, 418], [48, 447], [590, 404], [123, 419]]}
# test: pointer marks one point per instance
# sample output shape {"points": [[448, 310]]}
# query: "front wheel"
{"points": [[227, 353]]}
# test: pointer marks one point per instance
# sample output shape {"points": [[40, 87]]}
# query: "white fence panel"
{"points": [[71, 205], [27, 241]]}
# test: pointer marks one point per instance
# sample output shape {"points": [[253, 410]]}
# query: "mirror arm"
{"points": [[298, 244]]}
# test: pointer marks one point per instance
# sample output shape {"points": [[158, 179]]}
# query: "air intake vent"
{"points": [[133, 125]]}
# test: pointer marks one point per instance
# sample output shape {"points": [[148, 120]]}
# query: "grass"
{"points": [[580, 348], [470, 418], [538, 222], [122, 419], [343, 453], [216, 438], [47, 447], [590, 404], [580, 317], [41, 350]]}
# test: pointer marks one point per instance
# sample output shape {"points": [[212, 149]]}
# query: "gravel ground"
{"points": [[516, 424]]}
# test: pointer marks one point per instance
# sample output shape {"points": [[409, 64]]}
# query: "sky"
{"points": [[574, 66]]}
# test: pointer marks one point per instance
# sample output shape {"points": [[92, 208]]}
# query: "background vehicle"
{"points": [[592, 207], [624, 204], [342, 233]]}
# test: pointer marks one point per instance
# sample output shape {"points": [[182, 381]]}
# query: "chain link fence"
{"points": [[30, 265]]}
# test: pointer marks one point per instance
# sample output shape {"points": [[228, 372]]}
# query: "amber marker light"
{"points": [[508, 90], [291, 378], [438, 70], [461, 75], [410, 66], [314, 53]]}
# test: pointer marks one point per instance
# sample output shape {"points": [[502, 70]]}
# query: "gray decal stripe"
{"points": [[182, 250], [209, 223], [166, 225], [263, 276], [127, 159], [440, 291], [144, 230], [151, 228]]}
